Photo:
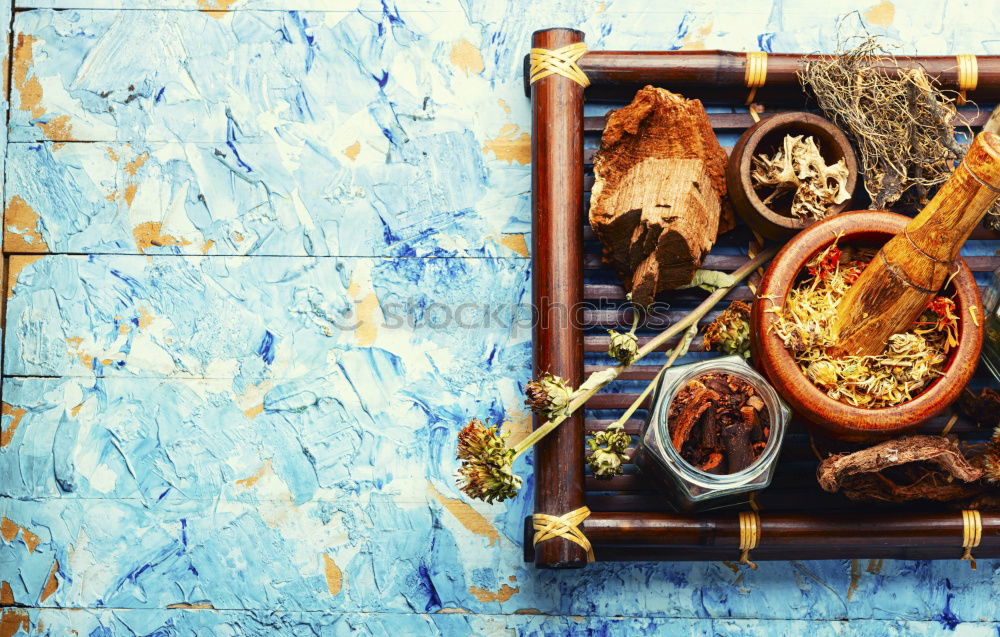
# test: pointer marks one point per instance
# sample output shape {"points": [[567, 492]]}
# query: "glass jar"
{"points": [[991, 331], [688, 487]]}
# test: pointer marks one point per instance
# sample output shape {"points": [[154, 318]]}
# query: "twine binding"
{"points": [[913, 243], [972, 534], [968, 75], [981, 181], [561, 61], [749, 536], [565, 526], [754, 77]]}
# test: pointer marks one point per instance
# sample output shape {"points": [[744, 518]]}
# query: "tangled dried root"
{"points": [[900, 120]]}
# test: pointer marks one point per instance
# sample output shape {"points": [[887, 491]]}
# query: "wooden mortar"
{"points": [[765, 137], [808, 401]]}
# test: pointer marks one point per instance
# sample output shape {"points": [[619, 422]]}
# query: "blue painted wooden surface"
{"points": [[231, 386]]}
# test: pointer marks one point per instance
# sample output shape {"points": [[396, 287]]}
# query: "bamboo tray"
{"points": [[577, 299]]}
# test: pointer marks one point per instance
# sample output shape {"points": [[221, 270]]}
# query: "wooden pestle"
{"points": [[913, 266]]}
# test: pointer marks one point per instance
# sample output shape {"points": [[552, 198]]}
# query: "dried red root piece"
{"points": [[909, 468], [696, 399], [718, 423]]}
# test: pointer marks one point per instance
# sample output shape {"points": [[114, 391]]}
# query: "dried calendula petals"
{"points": [[910, 361]]}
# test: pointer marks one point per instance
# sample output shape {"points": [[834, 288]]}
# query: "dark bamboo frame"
{"points": [[822, 529]]}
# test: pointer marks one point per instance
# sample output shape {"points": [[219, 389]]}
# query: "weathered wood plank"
{"points": [[259, 198], [262, 317], [443, 620]]}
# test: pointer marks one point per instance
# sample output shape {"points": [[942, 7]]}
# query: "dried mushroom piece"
{"points": [[909, 468], [798, 168], [658, 200]]}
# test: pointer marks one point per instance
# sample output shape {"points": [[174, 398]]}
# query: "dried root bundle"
{"points": [[799, 169], [899, 119]]}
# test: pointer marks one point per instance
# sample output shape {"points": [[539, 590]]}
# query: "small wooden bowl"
{"points": [[809, 402], [766, 137]]}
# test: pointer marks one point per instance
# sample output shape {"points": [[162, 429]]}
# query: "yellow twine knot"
{"points": [[749, 536], [561, 61], [754, 77], [972, 534], [565, 526], [968, 75]]}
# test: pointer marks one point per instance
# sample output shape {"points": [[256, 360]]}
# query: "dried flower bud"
{"points": [[486, 472], [608, 449], [730, 331], [548, 395], [982, 408], [991, 464], [623, 347], [823, 373]]}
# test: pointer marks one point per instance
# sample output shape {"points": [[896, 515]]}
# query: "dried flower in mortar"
{"points": [[486, 472], [910, 361], [798, 168], [548, 395], [730, 331], [608, 451], [940, 317]]}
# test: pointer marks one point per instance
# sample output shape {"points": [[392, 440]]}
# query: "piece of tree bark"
{"points": [[659, 190], [859, 475], [657, 224]]}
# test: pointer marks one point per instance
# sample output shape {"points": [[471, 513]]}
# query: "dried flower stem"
{"points": [[678, 351], [597, 380]]}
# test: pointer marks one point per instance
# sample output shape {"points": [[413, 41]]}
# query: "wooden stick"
{"points": [[557, 284], [635, 536], [717, 73]]}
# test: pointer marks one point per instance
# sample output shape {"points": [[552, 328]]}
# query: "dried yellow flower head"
{"points": [[730, 331], [909, 362], [823, 373], [992, 458], [487, 464], [608, 451], [623, 347], [548, 396]]}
